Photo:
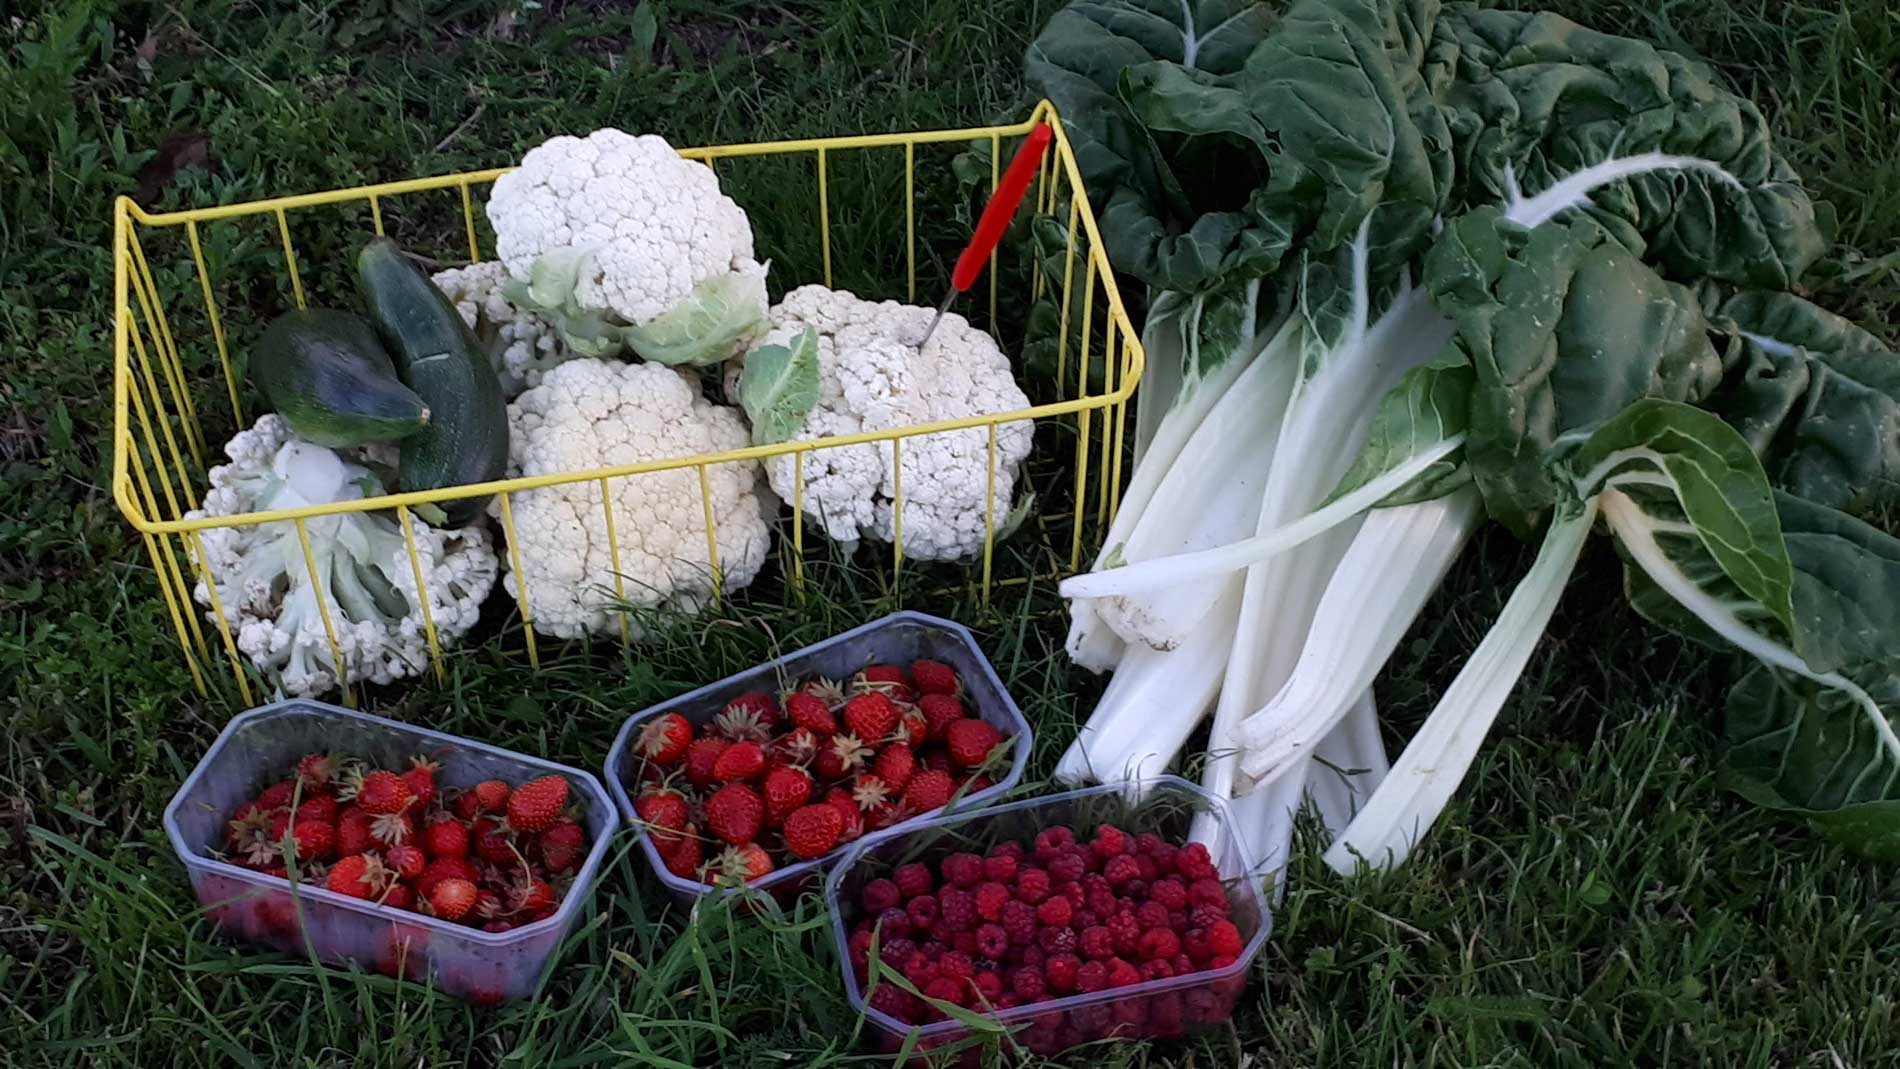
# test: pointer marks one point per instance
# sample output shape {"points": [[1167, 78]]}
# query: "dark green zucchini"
{"points": [[325, 373], [436, 354]]}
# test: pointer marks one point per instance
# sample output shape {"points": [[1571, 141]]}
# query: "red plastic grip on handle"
{"points": [[1002, 207]]}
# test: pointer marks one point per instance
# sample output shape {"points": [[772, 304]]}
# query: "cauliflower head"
{"points": [[873, 376], [624, 243], [369, 584], [589, 414], [523, 343]]}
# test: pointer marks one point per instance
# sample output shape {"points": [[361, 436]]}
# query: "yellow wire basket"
{"points": [[161, 454]]}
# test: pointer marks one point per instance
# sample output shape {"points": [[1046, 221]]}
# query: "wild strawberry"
{"points": [[663, 739], [879, 895], [870, 716], [537, 804], [785, 789], [531, 897], [895, 764], [829, 691], [313, 840], [885, 679], [913, 879], [744, 863], [701, 755], [491, 843], [399, 896], [934, 677], [749, 717], [741, 761], [841, 756], [887, 814], [683, 858], [810, 712], [936, 760], [315, 771], [445, 837], [968, 785], [852, 817], [358, 876], [279, 825], [452, 899], [812, 830], [870, 791], [443, 868], [928, 790], [466, 806], [322, 808], [421, 781], [561, 846], [392, 829], [734, 813], [353, 832], [406, 861], [382, 791], [940, 711], [796, 748], [277, 795], [491, 795], [970, 741]]}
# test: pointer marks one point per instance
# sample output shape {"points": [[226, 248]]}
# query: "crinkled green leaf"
{"points": [[779, 388], [1778, 316], [720, 315]]}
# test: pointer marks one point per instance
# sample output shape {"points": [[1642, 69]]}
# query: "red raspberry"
{"points": [[1074, 892], [965, 944], [1120, 869], [1055, 912], [992, 941], [894, 922], [896, 950], [1109, 841], [1170, 893], [1121, 973], [1220, 961], [1156, 969], [1126, 933], [1194, 944], [1151, 914], [990, 898], [1160, 943], [1067, 866], [1146, 843], [1032, 885], [1102, 902], [1224, 940], [1091, 976], [1207, 916], [1097, 943], [1060, 970], [957, 908], [1192, 862], [1000, 868], [1028, 984], [913, 880], [956, 966], [943, 989], [919, 970], [1164, 856], [1183, 964], [1019, 922], [1085, 919], [989, 987], [1150, 872], [964, 870], [880, 895], [1177, 921], [1052, 841], [1134, 890], [1009, 849], [922, 911], [1207, 892], [896, 1002], [1056, 940], [1033, 956]]}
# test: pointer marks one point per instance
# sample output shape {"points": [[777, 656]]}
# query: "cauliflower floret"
{"points": [[872, 376], [589, 414], [625, 243], [369, 587], [524, 344]]}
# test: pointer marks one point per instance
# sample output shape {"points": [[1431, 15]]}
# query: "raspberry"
{"points": [[1055, 912], [922, 911], [1151, 914], [990, 898], [1207, 916], [1150, 872], [965, 944], [1109, 841], [1177, 921], [1009, 849], [1121, 974], [894, 922], [1207, 892], [989, 987], [1097, 943], [1056, 940], [964, 870], [894, 1001], [1028, 984], [943, 989], [1074, 892], [1091, 976], [913, 880], [880, 895], [1126, 933], [895, 951], [1220, 961], [1194, 943], [956, 966], [1067, 866], [1224, 940], [1156, 969], [1146, 844], [1060, 970], [1170, 893], [1164, 856], [919, 970], [1084, 919], [1160, 943], [1033, 957], [1192, 862], [1135, 890], [1052, 841], [992, 941], [1182, 964], [1120, 869], [957, 908], [1019, 922], [1032, 885], [1000, 868], [1103, 903]]}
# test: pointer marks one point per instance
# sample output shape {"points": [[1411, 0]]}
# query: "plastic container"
{"points": [[263, 744], [899, 638], [1150, 1009]]}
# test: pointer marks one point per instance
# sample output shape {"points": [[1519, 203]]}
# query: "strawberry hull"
{"points": [[261, 744], [899, 639]]}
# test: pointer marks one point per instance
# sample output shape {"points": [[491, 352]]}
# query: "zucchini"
{"points": [[439, 358], [325, 373]]}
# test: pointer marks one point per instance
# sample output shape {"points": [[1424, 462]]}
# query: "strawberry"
{"points": [[842, 756], [392, 829], [407, 861], [734, 813], [444, 868], [744, 863], [887, 679], [277, 795], [810, 712], [466, 806], [352, 832], [663, 739], [313, 840], [445, 837], [796, 747], [315, 772], [913, 728], [934, 677], [940, 711], [665, 813], [870, 791], [928, 790], [249, 836], [747, 718], [399, 896], [741, 761], [701, 756], [785, 789], [885, 814], [851, 818], [279, 825], [488, 904], [970, 741], [421, 781], [491, 843], [829, 691], [532, 897], [812, 830], [870, 716], [537, 803], [321, 808], [684, 857], [561, 846], [359, 876], [895, 764], [452, 899], [491, 795], [383, 791]]}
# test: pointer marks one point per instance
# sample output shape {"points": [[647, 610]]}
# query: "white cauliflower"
{"points": [[368, 582], [589, 414], [624, 243], [872, 376], [523, 343]]}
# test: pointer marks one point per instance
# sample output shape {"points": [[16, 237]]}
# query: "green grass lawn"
{"points": [[1592, 898]]}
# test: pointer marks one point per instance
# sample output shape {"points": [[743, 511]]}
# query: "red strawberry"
{"points": [[537, 803], [392, 829], [970, 741], [870, 791], [445, 837], [701, 756], [421, 781], [885, 679], [934, 677], [683, 858], [359, 876], [561, 846], [749, 717], [491, 795], [940, 711], [665, 813], [321, 808], [279, 825], [532, 897], [929, 789], [829, 691], [313, 840], [885, 814], [383, 791], [315, 771], [895, 764], [466, 806], [491, 843], [445, 868], [870, 716], [810, 712], [663, 739], [913, 728], [452, 899], [734, 813], [277, 795], [812, 830], [841, 756], [741, 761], [744, 863], [798, 746], [407, 861], [399, 896], [353, 832], [851, 826], [785, 789]]}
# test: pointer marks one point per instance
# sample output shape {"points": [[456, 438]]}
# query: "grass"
{"points": [[1591, 898]]}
